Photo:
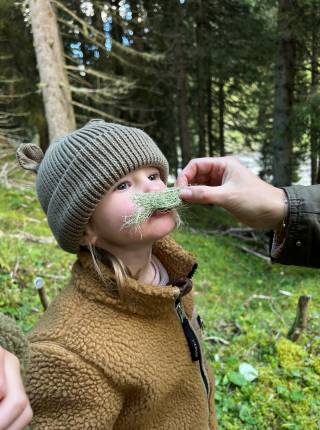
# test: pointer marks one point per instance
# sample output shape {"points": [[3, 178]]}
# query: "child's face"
{"points": [[109, 214]]}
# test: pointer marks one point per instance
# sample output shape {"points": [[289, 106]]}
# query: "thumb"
{"points": [[201, 194], [3, 388]]}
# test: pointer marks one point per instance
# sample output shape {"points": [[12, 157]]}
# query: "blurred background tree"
{"points": [[204, 78]]}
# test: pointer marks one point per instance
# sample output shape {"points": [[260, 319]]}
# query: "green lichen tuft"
{"points": [[147, 203]]}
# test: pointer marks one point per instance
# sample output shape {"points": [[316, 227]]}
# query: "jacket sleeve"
{"points": [[67, 392], [301, 243]]}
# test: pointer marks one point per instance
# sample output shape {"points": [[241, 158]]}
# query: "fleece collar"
{"points": [[135, 296]]}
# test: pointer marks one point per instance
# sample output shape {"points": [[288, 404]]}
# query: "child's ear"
{"points": [[89, 235]]}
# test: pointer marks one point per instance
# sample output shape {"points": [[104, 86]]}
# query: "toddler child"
{"points": [[119, 348]]}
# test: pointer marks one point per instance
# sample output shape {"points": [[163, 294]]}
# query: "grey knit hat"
{"points": [[79, 168]]}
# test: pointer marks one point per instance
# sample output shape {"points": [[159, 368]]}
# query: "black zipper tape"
{"points": [[192, 341], [204, 378], [191, 273]]}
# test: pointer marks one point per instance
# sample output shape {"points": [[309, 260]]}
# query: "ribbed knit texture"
{"points": [[78, 169]]}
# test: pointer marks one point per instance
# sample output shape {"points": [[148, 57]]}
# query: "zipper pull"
{"points": [[180, 311], [193, 343], [184, 285]]}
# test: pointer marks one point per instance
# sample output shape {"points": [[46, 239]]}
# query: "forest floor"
{"points": [[247, 304]]}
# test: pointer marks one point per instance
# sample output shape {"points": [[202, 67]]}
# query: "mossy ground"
{"points": [[286, 394]]}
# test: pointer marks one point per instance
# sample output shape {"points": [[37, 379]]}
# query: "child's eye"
{"points": [[122, 186], [154, 176]]}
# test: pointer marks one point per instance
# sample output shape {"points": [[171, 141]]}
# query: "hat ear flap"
{"points": [[29, 156]]}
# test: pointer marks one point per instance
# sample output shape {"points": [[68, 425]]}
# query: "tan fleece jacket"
{"points": [[109, 358]]}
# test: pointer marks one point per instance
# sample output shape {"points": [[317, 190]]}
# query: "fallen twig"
{"points": [[240, 230], [39, 286], [216, 339], [245, 234], [29, 237], [43, 298], [229, 231], [255, 253], [257, 296], [244, 238], [54, 276], [15, 269]]}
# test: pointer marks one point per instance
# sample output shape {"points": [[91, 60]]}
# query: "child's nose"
{"points": [[150, 186]]}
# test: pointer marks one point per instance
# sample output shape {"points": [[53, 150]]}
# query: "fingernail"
{"points": [[185, 192]]}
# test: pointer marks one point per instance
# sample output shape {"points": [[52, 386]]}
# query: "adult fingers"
{"points": [[182, 180], [204, 171], [193, 170], [202, 194]]}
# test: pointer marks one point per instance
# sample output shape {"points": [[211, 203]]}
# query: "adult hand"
{"points": [[226, 182], [15, 409]]}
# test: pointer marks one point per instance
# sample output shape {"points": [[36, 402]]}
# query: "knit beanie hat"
{"points": [[78, 169]]}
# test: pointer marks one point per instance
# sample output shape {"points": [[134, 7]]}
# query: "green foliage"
{"points": [[22, 261], [21, 109], [286, 393], [205, 217], [229, 287]]}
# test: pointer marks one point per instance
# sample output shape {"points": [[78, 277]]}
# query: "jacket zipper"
{"points": [[193, 342], [203, 373], [192, 339]]}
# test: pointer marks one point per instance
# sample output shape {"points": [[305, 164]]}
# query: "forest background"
{"points": [[203, 78]]}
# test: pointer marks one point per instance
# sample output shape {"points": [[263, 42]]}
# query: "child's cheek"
{"points": [[123, 209], [127, 206]]}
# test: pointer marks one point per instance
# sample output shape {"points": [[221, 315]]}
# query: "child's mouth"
{"points": [[160, 212]]}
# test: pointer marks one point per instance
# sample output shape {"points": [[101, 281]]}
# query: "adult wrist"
{"points": [[282, 211]]}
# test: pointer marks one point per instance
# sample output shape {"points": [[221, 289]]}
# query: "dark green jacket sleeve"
{"points": [[301, 245]]}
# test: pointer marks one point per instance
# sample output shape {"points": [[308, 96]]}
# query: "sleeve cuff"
{"points": [[293, 247]]}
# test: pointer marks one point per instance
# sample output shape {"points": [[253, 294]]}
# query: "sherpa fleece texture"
{"points": [[13, 340], [108, 358]]}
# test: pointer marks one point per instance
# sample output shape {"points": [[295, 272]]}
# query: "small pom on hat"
{"points": [[29, 156]]}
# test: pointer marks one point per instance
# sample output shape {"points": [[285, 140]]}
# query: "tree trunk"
{"points": [[41, 124], [182, 105], [53, 78], [283, 99], [221, 97], [209, 111], [201, 56], [314, 132]]}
